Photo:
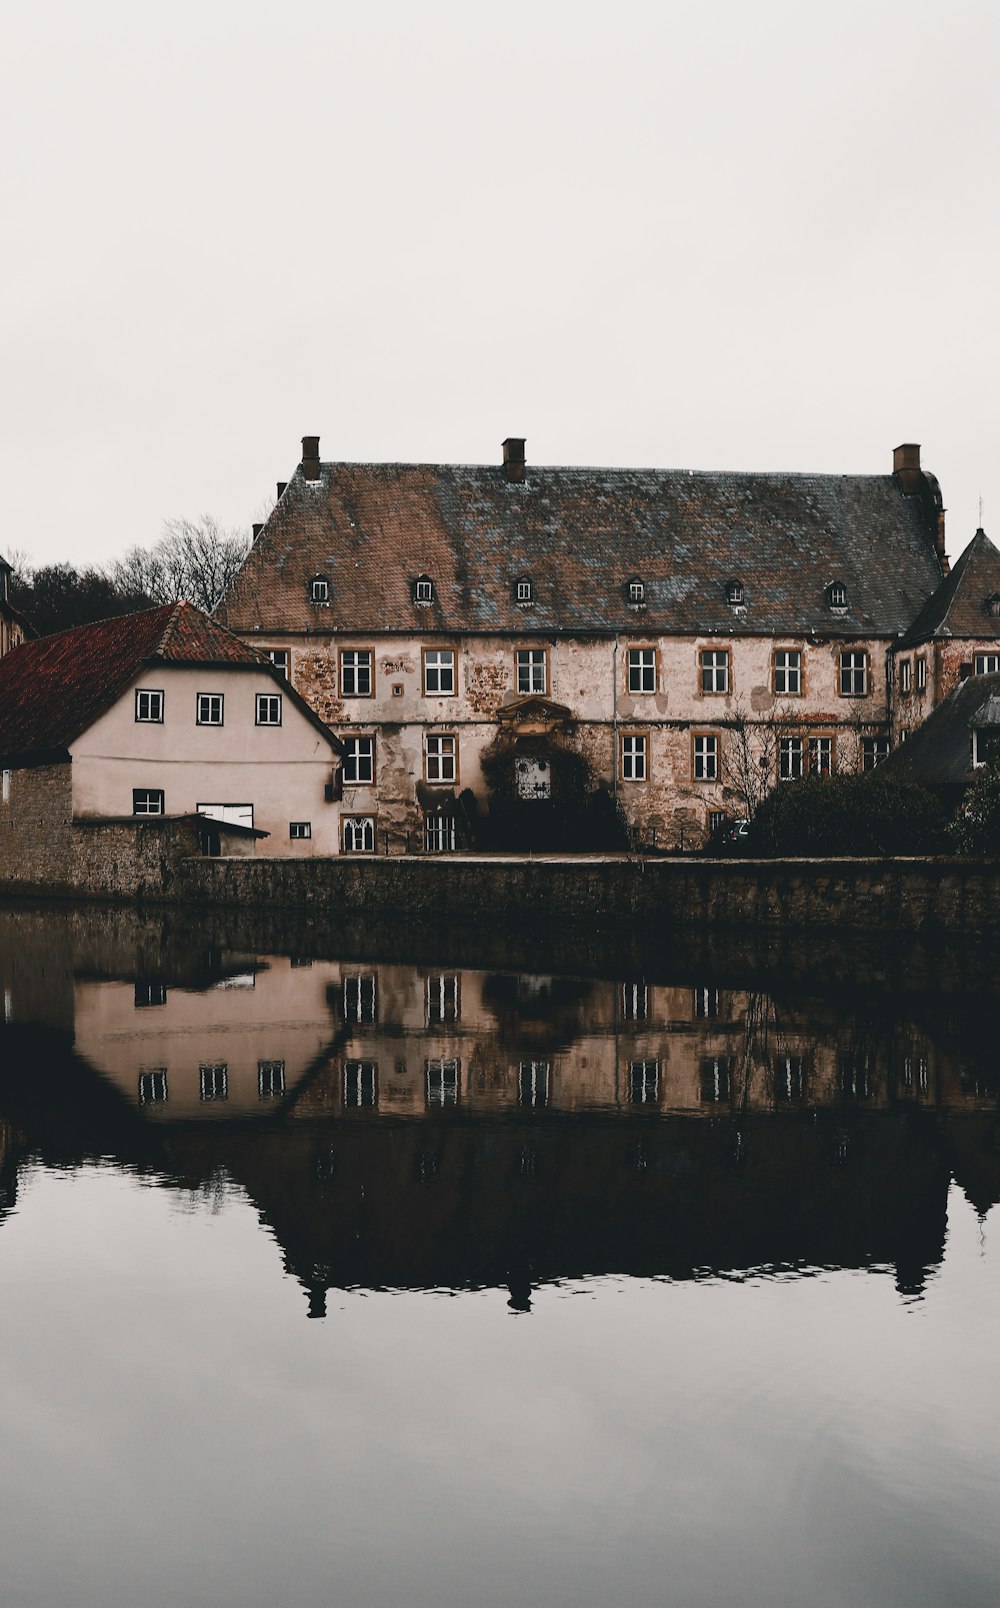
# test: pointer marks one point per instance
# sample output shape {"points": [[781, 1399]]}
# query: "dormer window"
{"points": [[319, 589], [524, 591], [636, 593], [836, 595], [735, 595], [423, 590], [993, 605]]}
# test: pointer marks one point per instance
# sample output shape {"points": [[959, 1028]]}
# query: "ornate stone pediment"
{"points": [[533, 715]]}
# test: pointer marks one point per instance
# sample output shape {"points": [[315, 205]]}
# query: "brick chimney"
{"points": [[513, 458], [906, 467], [310, 457]]}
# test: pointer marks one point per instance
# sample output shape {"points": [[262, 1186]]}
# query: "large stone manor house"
{"points": [[677, 641]]}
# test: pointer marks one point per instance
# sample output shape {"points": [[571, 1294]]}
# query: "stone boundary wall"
{"points": [[900, 896], [158, 863]]}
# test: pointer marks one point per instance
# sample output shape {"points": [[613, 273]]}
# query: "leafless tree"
{"points": [[749, 760], [193, 559]]}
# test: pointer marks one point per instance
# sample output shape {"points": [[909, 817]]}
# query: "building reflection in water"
{"points": [[405, 1125]]}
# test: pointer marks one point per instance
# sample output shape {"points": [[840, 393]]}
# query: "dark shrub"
{"points": [[850, 815], [976, 828]]}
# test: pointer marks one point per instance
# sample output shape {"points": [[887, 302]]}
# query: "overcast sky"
{"points": [[715, 235]]}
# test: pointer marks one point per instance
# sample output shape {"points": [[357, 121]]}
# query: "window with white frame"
{"points": [[153, 1085], [423, 590], [361, 1083], [643, 1082], [788, 672], [279, 658], [270, 1080], [213, 1079], [269, 708], [921, 675], [714, 669], [209, 712], [319, 589], [439, 834], [820, 756], [442, 1082], [356, 673], [359, 834], [735, 595], [149, 991], [706, 758], [533, 1083], [439, 672], [986, 664], [440, 757], [642, 670], [790, 759], [360, 998], [905, 671], [635, 758], [705, 1004], [635, 1002], [636, 592], [716, 1080], [443, 997], [147, 801], [789, 1078], [149, 706], [531, 677], [853, 674], [359, 761], [524, 590], [298, 830], [836, 595], [873, 751]]}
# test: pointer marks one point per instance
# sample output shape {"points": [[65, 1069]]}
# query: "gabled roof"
{"points": [[939, 752], [54, 689], [959, 606], [580, 535]]}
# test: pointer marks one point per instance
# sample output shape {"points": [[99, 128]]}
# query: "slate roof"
{"points": [[53, 689], [958, 608], [581, 535], [939, 752]]}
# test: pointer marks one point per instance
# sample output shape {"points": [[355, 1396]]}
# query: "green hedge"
{"points": [[850, 815]]}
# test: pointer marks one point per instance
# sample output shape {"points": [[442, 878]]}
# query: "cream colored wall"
{"points": [[590, 678], [284, 1016], [281, 770]]}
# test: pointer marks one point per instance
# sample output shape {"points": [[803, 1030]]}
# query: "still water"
{"points": [[335, 1279]]}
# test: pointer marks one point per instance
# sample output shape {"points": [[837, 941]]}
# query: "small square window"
{"points": [[439, 672], [147, 801], [423, 590], [300, 829], [360, 997], [986, 664], [836, 594], [319, 589], [149, 991], [279, 658], [524, 593], [643, 1082], [269, 708], [873, 751], [149, 706], [531, 671], [356, 673], [714, 669], [636, 592], [635, 1002], [209, 709], [443, 996]]}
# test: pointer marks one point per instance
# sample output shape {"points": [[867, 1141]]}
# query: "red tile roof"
{"points": [[53, 689]]}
